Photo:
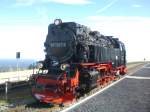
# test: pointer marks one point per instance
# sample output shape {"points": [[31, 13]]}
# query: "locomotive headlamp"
{"points": [[57, 21], [64, 66], [39, 65]]}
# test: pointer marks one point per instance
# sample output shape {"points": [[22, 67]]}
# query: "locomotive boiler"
{"points": [[77, 60]]}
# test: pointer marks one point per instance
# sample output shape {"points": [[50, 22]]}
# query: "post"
{"points": [[6, 90], [17, 57], [33, 67], [17, 66], [6, 87]]}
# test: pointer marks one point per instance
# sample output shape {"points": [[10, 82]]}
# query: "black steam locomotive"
{"points": [[77, 60]]}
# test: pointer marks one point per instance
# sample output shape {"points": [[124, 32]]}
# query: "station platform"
{"points": [[130, 94]]}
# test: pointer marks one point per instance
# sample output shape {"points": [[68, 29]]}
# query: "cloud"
{"points": [[70, 1], [137, 5], [24, 38], [133, 31], [107, 6], [118, 19], [67, 2], [24, 3]]}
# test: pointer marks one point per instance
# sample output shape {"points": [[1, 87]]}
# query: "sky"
{"points": [[23, 24]]}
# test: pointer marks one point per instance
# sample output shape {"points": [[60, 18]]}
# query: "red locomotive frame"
{"points": [[64, 90]]}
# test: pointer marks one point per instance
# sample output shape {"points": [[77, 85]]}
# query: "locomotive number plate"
{"points": [[58, 44]]}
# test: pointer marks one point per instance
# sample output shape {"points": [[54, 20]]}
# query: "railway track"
{"points": [[20, 99]]}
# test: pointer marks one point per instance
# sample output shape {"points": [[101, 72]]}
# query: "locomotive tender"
{"points": [[76, 61]]}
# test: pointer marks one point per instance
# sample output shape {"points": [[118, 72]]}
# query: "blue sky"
{"points": [[23, 23]]}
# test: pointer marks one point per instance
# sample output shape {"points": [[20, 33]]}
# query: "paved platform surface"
{"points": [[132, 94]]}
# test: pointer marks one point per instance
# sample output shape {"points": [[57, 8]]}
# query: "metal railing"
{"points": [[13, 82], [14, 79]]}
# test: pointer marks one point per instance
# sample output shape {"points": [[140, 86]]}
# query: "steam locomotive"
{"points": [[76, 61]]}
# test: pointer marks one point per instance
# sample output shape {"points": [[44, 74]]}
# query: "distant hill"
{"points": [[11, 64]]}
